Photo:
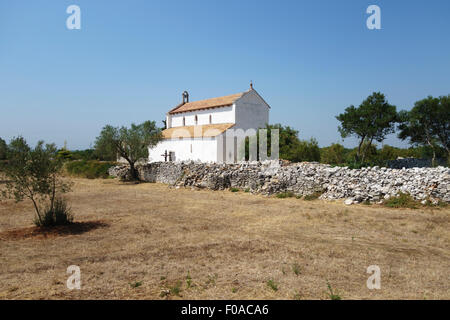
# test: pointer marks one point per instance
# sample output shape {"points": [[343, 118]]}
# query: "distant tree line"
{"points": [[427, 124], [426, 127]]}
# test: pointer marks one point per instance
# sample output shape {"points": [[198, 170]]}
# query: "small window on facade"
{"points": [[196, 120], [191, 147], [184, 121], [210, 119]]}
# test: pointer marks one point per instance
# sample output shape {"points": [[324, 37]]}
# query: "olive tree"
{"points": [[129, 143], [34, 174]]}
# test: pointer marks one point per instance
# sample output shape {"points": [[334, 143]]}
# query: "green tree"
{"points": [[427, 124], [34, 174], [334, 154], [288, 141], [3, 149], [441, 125], [372, 120], [290, 146], [129, 143], [305, 150]]}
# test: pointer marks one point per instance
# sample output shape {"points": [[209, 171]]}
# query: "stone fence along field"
{"points": [[355, 185]]}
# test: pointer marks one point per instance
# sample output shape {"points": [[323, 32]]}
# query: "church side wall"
{"points": [[204, 149]]}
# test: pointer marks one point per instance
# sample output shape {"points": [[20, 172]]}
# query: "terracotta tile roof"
{"points": [[207, 130], [207, 103]]}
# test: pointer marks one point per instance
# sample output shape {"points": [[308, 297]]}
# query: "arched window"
{"points": [[196, 120], [184, 121], [210, 119]]}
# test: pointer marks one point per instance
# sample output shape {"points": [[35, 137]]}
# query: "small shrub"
{"points": [[272, 285], [234, 189], [59, 215], [402, 200], [284, 195]]}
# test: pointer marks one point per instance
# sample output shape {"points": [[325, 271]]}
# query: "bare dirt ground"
{"points": [[149, 241]]}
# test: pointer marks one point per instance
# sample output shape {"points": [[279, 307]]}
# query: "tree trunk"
{"points": [[433, 161], [52, 200], [37, 210], [133, 172], [366, 149], [358, 154]]}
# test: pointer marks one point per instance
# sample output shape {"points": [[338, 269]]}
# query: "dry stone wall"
{"points": [[414, 163], [355, 185]]}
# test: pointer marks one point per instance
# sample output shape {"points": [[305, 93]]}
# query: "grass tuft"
{"points": [[332, 294], [313, 196], [272, 285], [296, 269], [284, 195], [402, 200], [176, 289]]}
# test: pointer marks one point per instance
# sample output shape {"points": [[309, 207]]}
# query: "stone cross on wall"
{"points": [[167, 155]]}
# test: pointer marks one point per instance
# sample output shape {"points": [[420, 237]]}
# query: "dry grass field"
{"points": [[149, 241]]}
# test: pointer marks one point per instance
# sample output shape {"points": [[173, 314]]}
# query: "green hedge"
{"points": [[91, 169]]}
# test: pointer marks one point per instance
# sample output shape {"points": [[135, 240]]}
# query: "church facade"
{"points": [[210, 130]]}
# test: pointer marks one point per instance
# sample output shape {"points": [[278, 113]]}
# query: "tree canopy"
{"points": [[373, 120], [427, 123], [129, 143]]}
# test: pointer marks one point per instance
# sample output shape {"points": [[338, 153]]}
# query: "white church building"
{"points": [[207, 130]]}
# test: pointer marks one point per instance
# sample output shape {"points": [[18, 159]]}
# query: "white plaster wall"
{"points": [[251, 112], [219, 115], [203, 149]]}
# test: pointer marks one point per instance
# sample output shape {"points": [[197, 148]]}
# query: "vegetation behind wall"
{"points": [[90, 169]]}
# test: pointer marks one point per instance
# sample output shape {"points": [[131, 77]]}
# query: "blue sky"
{"points": [[131, 60]]}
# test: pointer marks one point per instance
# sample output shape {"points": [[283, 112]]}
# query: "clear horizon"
{"points": [[131, 61]]}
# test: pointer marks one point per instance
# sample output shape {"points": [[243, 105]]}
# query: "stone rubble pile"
{"points": [[355, 185]]}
